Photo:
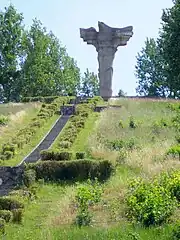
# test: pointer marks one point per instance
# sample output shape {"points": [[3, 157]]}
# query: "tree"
{"points": [[33, 62], [40, 61], [47, 69], [90, 84], [121, 93], [150, 70], [71, 75], [11, 30], [170, 44]]}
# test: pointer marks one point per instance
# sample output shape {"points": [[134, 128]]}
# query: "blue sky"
{"points": [[65, 17]]}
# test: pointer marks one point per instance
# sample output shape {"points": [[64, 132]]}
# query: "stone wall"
{"points": [[10, 177]]}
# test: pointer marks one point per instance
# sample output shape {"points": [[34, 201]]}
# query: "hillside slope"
{"points": [[135, 138]]}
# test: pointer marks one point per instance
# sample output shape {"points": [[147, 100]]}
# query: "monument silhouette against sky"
{"points": [[106, 42]]}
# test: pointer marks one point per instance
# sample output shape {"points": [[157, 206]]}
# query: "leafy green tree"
{"points": [[11, 29], [40, 61], [47, 69], [90, 84], [121, 93], [71, 75], [150, 70], [170, 44]]}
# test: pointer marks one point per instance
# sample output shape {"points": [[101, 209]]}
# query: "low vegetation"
{"points": [[124, 183]]}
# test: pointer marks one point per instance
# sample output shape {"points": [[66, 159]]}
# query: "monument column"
{"points": [[106, 42], [106, 56]]}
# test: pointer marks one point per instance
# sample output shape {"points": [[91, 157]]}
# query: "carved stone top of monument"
{"points": [[107, 36]]}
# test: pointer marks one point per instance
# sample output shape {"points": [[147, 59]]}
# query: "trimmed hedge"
{"points": [[7, 203], [6, 215], [76, 170], [2, 226], [55, 155], [80, 155], [29, 177], [47, 99]]}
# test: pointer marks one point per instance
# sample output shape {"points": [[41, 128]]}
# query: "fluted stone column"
{"points": [[106, 42]]}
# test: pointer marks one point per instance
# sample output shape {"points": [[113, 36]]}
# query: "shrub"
{"points": [[130, 144], [65, 144], [8, 155], [80, 124], [55, 155], [87, 194], [132, 123], [116, 144], [17, 215], [3, 120], [2, 226], [38, 123], [6, 215], [47, 99], [176, 232], [29, 177], [7, 203], [171, 181], [122, 155], [80, 155], [9, 147], [121, 124], [174, 151], [77, 170], [63, 156], [149, 203], [178, 138], [160, 124], [47, 154]]}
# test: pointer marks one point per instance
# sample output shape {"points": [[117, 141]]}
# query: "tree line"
{"points": [[33, 62], [158, 63]]}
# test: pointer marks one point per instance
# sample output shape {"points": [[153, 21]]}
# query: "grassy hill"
{"points": [[135, 138]]}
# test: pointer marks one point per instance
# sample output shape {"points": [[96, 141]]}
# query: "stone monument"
{"points": [[106, 42]]}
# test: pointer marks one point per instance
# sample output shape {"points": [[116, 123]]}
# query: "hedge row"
{"points": [[75, 170], [58, 155], [25, 134], [94, 100], [48, 99], [10, 210]]}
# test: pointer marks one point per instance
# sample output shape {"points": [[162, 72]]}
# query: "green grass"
{"points": [[21, 153], [39, 213], [13, 108], [80, 143], [51, 215], [46, 219], [20, 117]]}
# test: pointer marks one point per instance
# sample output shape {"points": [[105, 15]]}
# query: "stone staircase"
{"points": [[47, 141]]}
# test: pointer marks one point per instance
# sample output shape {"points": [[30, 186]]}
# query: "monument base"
{"points": [[106, 98]]}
